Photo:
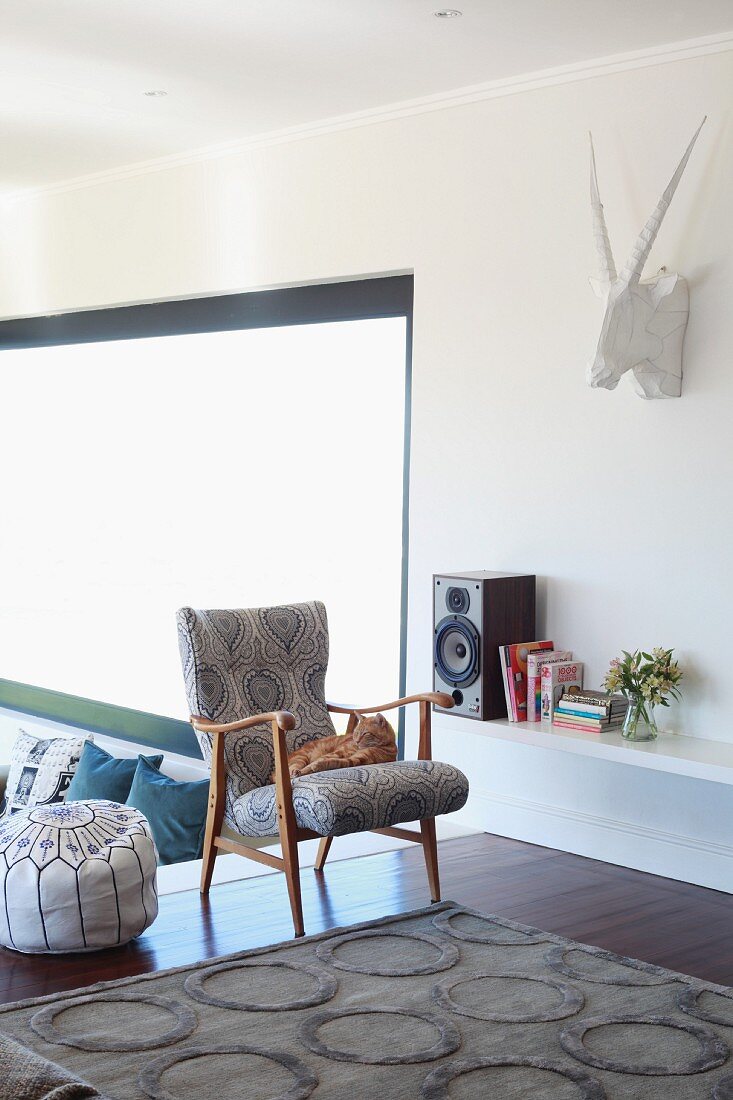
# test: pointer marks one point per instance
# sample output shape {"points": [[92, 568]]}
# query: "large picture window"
{"points": [[232, 467]]}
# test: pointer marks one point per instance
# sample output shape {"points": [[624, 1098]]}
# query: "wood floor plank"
{"points": [[683, 927]]}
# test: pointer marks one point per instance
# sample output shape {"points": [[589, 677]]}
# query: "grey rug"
{"points": [[25, 1076], [439, 1003]]}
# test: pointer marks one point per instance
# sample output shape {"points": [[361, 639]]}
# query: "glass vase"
{"points": [[639, 723]]}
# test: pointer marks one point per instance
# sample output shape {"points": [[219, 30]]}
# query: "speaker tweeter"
{"points": [[457, 600]]}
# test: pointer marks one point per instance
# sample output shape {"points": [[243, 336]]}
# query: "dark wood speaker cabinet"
{"points": [[473, 614]]}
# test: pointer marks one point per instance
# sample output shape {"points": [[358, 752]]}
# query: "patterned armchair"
{"points": [[255, 682]]}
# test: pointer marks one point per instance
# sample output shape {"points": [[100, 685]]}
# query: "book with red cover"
{"points": [[515, 663]]}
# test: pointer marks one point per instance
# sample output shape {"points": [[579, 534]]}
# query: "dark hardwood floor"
{"points": [[686, 928]]}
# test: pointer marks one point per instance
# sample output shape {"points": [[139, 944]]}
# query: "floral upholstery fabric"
{"points": [[351, 800], [240, 663]]}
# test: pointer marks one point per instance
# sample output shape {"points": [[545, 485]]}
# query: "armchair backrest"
{"points": [[245, 662]]}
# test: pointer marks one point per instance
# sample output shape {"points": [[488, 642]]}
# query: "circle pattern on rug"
{"points": [[724, 1088], [448, 954], [556, 959], [449, 1039], [571, 1003], [186, 1022], [687, 1001], [435, 1085], [442, 922], [713, 1050], [151, 1084], [326, 986]]}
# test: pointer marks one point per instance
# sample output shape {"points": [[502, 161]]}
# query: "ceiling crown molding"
{"points": [[459, 97]]}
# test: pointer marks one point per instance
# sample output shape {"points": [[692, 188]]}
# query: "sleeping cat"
{"points": [[372, 741]]}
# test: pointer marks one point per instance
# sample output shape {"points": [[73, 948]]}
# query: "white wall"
{"points": [[488, 204]]}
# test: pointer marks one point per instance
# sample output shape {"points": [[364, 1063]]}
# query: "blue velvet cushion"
{"points": [[176, 812], [99, 775]]}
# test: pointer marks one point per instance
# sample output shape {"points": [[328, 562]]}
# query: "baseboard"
{"points": [[625, 843]]}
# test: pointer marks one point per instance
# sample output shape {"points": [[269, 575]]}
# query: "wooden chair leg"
{"points": [[292, 876], [430, 851], [210, 854], [427, 826], [323, 850], [287, 827], [214, 813]]}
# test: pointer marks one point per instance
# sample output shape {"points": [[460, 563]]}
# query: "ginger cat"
{"points": [[372, 741]]}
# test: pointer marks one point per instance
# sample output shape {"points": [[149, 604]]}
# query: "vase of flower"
{"points": [[639, 723], [647, 680]]}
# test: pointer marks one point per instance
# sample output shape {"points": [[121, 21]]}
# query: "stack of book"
{"points": [[535, 676], [513, 660], [590, 711]]}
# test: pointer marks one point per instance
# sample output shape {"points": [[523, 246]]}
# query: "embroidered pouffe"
{"points": [[76, 877]]}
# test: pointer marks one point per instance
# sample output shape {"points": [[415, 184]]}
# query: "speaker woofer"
{"points": [[457, 651]]}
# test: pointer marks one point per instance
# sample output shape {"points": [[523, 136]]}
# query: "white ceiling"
{"points": [[73, 72]]}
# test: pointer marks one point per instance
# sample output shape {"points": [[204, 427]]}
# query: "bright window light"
{"points": [[228, 469]]}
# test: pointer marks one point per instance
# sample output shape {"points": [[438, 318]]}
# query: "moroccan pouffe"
{"points": [[76, 877]]}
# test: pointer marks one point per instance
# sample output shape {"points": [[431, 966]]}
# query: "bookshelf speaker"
{"points": [[474, 614]]}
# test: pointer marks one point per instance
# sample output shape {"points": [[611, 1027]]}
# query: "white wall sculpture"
{"points": [[644, 322]]}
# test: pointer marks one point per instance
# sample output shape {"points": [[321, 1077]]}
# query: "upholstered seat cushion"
{"points": [[350, 800]]}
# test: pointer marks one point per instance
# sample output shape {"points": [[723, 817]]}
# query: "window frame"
{"points": [[361, 299]]}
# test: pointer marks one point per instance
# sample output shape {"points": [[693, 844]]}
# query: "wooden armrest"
{"points": [[279, 721], [439, 698], [282, 718]]}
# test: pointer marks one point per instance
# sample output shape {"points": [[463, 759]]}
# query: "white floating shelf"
{"points": [[695, 757]]}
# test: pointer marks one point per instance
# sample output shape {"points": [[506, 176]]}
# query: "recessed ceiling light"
{"points": [[155, 92], [447, 13]]}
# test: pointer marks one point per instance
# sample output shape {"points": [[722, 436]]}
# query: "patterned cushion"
{"points": [[41, 769], [240, 663], [350, 800]]}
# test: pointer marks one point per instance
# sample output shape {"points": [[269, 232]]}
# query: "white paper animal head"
{"points": [[644, 322]]}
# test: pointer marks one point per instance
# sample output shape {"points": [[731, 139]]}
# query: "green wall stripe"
{"points": [[168, 734]]}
